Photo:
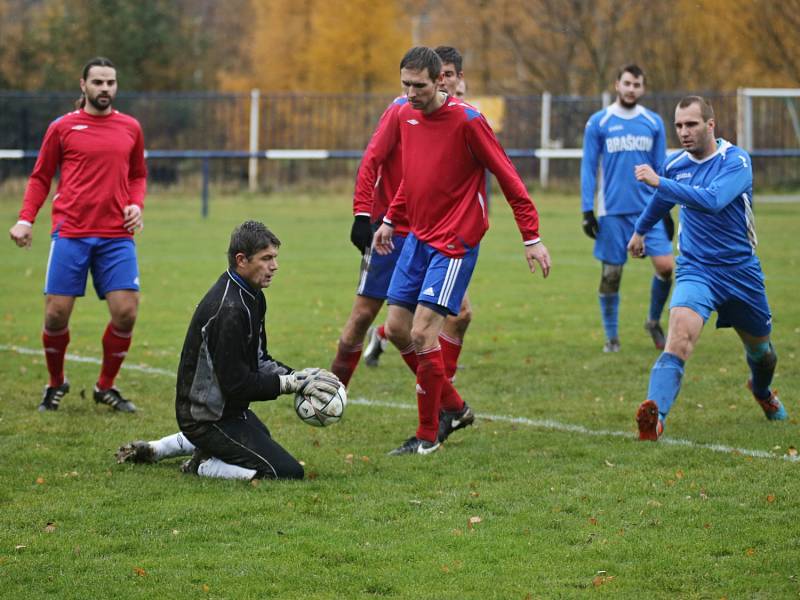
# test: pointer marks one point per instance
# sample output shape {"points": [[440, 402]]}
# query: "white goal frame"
{"points": [[744, 106]]}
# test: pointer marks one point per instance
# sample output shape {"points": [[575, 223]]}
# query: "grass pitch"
{"points": [[560, 502]]}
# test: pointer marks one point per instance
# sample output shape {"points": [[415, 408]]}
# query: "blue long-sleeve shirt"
{"points": [[716, 198], [623, 138]]}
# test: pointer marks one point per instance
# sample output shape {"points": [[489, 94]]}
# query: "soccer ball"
{"points": [[321, 414]]}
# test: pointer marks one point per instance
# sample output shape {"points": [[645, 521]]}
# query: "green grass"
{"points": [[561, 514]]}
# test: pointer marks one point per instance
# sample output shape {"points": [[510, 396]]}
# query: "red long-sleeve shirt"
{"points": [[102, 171], [445, 155], [381, 169]]}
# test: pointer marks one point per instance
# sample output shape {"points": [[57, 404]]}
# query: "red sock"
{"points": [[346, 361], [55, 348], [451, 400], [451, 349], [115, 348], [410, 357], [382, 331], [430, 379]]}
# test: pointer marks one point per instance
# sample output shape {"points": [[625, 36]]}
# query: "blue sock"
{"points": [[609, 311], [665, 382], [659, 292], [762, 360]]}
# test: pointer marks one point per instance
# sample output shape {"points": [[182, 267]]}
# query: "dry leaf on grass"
{"points": [[602, 579], [39, 480], [791, 451], [771, 498], [472, 521], [50, 527], [139, 571]]}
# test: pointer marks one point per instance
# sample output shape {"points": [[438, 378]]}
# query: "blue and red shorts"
{"points": [[377, 269], [112, 262], [425, 275]]}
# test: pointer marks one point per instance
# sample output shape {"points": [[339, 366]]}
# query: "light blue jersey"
{"points": [[624, 137], [715, 195]]}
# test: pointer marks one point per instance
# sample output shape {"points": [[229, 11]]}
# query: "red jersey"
{"points": [[381, 169], [445, 155], [102, 172]]}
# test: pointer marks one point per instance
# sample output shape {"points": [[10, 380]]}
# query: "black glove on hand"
{"points": [[589, 224], [361, 233], [669, 225]]}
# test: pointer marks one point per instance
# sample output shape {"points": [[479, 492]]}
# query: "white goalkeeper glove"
{"points": [[319, 383]]}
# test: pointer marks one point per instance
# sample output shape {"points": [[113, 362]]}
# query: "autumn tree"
{"points": [[350, 47], [156, 44]]}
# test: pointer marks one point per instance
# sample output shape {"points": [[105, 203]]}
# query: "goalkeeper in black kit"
{"points": [[224, 367]]}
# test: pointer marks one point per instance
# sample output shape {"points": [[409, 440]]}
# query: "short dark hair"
{"points": [[248, 238], [421, 58], [633, 69], [706, 110], [450, 55], [97, 61]]}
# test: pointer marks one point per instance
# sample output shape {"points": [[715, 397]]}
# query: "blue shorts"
{"points": [[737, 293], [615, 231], [112, 262], [376, 270], [425, 275]]}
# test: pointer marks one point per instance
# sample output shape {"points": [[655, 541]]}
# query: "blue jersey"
{"points": [[625, 137], [716, 199]]}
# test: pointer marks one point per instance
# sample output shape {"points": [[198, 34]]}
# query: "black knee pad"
{"points": [[770, 359], [610, 278]]}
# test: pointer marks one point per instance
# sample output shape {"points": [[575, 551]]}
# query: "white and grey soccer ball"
{"points": [[317, 413]]}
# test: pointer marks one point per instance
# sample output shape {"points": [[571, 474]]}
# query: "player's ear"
{"points": [[241, 259]]}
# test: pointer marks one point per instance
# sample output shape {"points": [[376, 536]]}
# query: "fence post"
{"points": [[252, 170], [204, 194], [544, 140], [744, 120]]}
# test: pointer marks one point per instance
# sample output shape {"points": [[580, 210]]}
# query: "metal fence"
{"points": [[214, 121]]}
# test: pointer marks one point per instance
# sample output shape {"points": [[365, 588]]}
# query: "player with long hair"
{"points": [[96, 211]]}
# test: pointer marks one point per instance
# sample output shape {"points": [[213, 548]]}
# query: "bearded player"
{"points": [[96, 211]]}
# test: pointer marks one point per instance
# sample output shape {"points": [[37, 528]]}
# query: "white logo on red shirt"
{"points": [[412, 122], [80, 127]]}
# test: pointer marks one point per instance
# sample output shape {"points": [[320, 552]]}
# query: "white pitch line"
{"points": [[551, 425], [547, 424], [88, 359]]}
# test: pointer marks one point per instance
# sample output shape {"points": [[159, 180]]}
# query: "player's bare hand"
{"points": [[383, 240], [647, 174], [636, 245], [537, 253], [133, 218], [22, 235]]}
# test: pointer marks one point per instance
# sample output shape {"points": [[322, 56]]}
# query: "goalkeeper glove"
{"points": [[589, 224], [361, 233], [311, 382], [669, 225]]}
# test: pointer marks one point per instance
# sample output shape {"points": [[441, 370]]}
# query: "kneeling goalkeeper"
{"points": [[225, 366]]}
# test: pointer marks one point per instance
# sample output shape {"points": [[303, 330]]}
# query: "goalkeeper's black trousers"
{"points": [[245, 441]]}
